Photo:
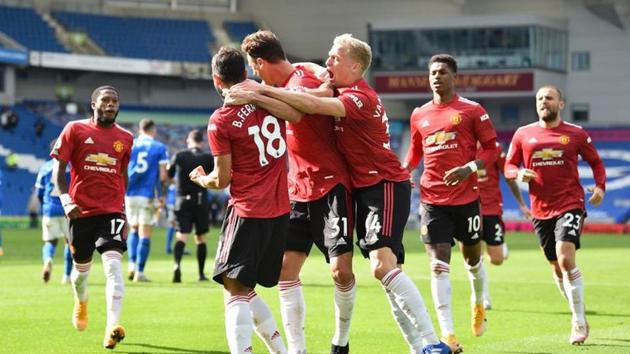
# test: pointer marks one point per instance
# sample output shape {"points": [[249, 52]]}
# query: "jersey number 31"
{"points": [[271, 131]]}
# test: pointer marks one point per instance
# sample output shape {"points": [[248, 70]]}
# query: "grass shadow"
{"points": [[171, 350]]}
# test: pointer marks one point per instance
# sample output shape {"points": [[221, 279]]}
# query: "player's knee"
{"points": [[342, 276], [496, 260]]}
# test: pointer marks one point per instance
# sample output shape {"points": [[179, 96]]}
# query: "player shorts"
{"points": [[382, 211], [565, 227], [53, 228], [139, 210], [192, 210], [250, 250], [100, 232], [445, 223], [493, 230], [327, 222]]}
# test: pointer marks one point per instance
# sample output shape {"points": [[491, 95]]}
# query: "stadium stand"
{"points": [[28, 28], [147, 38], [238, 30]]}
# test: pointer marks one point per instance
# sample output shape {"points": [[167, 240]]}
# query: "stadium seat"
{"points": [[28, 28]]}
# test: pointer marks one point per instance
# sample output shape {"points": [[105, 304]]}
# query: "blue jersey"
{"points": [[46, 191], [170, 195], [144, 166]]}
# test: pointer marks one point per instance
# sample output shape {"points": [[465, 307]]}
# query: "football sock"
{"points": [[48, 251], [441, 292], [67, 260], [202, 250], [411, 303], [114, 285], [560, 285], [265, 325], [79, 279], [178, 252], [169, 239], [293, 311], [238, 324], [574, 288], [411, 336], [144, 246], [476, 275], [344, 303], [132, 247]]}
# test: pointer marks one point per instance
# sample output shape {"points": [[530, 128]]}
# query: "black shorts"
{"points": [[565, 227], [250, 250], [328, 222], [445, 223], [101, 232], [192, 210], [382, 213], [493, 230]]}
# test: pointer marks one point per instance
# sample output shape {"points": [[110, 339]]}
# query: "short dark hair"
{"points": [[146, 124], [560, 97], [264, 45], [229, 65], [196, 135], [446, 59], [97, 91]]}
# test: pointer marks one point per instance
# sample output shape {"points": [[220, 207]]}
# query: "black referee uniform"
{"points": [[191, 204]]}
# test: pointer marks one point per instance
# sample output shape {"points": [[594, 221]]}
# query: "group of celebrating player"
{"points": [[341, 174]]}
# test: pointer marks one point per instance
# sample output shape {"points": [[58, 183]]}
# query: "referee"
{"points": [[191, 203]]}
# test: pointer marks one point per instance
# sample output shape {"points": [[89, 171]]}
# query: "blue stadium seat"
{"points": [[238, 30], [29, 29], [147, 38]]}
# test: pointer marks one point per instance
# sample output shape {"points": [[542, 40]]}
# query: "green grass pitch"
{"points": [[529, 315]]}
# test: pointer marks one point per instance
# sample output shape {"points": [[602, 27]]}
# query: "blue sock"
{"points": [[67, 261], [48, 251], [132, 246], [143, 253], [170, 233]]}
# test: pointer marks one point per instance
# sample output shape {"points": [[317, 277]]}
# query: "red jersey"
{"points": [[553, 155], [488, 181], [446, 135], [257, 142], [315, 164], [98, 156], [363, 137]]}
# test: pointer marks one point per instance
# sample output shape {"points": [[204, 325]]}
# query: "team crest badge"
{"points": [[456, 119], [564, 140], [118, 146]]}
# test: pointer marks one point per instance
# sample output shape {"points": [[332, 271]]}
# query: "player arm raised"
{"points": [[71, 210], [276, 107], [219, 178]]}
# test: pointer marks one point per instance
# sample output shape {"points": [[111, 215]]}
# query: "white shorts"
{"points": [[54, 228], [139, 210]]}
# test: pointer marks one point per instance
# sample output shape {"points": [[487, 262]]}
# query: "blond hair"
{"points": [[357, 49]]}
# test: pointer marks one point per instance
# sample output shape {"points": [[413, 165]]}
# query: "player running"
{"points": [[98, 150], [548, 150]]}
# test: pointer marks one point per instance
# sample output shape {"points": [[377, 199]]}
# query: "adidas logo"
{"points": [[341, 242], [89, 140], [475, 236], [532, 140], [572, 233], [118, 238], [425, 123]]}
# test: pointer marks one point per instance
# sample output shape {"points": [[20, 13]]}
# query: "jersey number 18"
{"points": [[271, 136]]}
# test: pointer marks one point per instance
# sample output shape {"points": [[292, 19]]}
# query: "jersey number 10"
{"points": [[271, 136]]}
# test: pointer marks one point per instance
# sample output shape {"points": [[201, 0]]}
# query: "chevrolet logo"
{"points": [[440, 138], [547, 154], [101, 159]]}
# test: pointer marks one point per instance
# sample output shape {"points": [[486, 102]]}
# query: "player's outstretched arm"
{"points": [[219, 178], [276, 107], [71, 210], [307, 103]]}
